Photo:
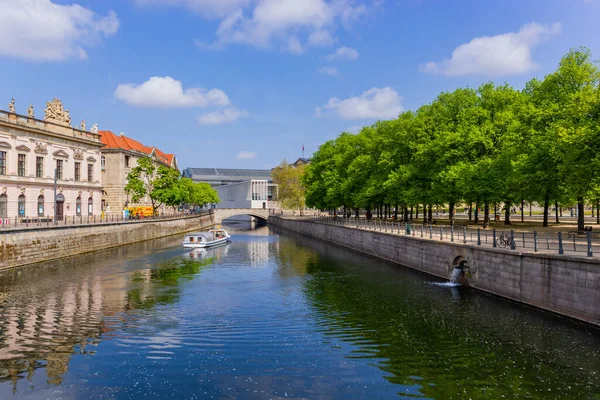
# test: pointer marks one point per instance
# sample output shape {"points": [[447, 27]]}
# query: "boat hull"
{"points": [[203, 245]]}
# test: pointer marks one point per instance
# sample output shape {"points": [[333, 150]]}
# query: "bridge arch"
{"points": [[224, 213]]}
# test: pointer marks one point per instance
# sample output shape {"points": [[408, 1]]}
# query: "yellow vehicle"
{"points": [[141, 212]]}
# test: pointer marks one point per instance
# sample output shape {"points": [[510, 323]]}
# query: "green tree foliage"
{"points": [[493, 145], [290, 189], [164, 185]]}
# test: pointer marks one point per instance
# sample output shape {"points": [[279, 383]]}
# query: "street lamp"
{"points": [[55, 202]]}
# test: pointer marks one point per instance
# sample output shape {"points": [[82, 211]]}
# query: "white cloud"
{"points": [[331, 71], [206, 8], [44, 31], [505, 54], [274, 23], [166, 92], [294, 46], [374, 103], [343, 53], [246, 155], [321, 39], [222, 116]]}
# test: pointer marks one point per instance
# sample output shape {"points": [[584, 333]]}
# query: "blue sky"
{"points": [[245, 83]]}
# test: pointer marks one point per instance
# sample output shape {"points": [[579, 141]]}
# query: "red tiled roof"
{"points": [[112, 141]]}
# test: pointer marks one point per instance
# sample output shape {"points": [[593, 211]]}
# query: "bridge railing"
{"points": [[570, 242]]}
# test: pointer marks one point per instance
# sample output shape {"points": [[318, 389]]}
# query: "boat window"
{"points": [[191, 239]]}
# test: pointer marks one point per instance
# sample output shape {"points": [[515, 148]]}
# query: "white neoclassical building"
{"points": [[32, 151]]}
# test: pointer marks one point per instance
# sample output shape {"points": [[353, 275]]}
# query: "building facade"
{"points": [[33, 152], [119, 156], [238, 188], [226, 176], [257, 194]]}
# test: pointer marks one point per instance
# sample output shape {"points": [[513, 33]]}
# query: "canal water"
{"points": [[274, 315]]}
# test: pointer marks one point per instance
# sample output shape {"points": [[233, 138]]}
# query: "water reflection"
{"points": [[52, 310], [444, 342], [270, 316]]}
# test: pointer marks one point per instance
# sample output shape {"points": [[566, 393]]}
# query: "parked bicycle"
{"points": [[504, 240]]}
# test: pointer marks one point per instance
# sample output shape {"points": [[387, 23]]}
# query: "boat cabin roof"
{"points": [[206, 235]]}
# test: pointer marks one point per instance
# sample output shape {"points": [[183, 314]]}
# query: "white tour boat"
{"points": [[205, 239]]}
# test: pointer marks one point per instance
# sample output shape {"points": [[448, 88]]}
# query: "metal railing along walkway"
{"points": [[570, 243], [18, 223]]}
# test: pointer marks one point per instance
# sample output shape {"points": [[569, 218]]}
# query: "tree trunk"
{"points": [[476, 212], [507, 213], [530, 212], [405, 217], [451, 213], [417, 212], [411, 213], [522, 210], [357, 213], [486, 214], [556, 212], [546, 206], [597, 211], [396, 211], [470, 211], [580, 214], [430, 213]]}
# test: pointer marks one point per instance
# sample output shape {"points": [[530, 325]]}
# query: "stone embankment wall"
{"points": [[27, 246], [562, 284]]}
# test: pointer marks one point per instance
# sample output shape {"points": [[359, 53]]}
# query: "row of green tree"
{"points": [[163, 185], [491, 145]]}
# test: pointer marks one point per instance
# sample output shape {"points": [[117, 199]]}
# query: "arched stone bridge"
{"points": [[222, 213]]}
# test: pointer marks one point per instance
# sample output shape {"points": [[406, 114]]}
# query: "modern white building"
{"points": [[257, 194]]}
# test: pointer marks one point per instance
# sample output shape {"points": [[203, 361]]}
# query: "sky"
{"points": [[248, 83]]}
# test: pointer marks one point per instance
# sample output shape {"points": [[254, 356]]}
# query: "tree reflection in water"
{"points": [[439, 343]]}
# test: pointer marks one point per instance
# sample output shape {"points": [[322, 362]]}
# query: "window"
{"points": [[127, 161], [22, 205], [2, 163], [90, 172], [77, 171], [39, 167], [78, 206], [90, 206], [40, 206], [103, 162], [3, 206], [21, 165], [59, 169]]}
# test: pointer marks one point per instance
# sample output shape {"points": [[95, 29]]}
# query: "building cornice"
{"points": [[33, 125]]}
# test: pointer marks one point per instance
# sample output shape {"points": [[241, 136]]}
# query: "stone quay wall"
{"points": [[28, 246], [562, 284]]}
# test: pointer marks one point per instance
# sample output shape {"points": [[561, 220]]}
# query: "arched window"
{"points": [[78, 206], [103, 162], [3, 206], [90, 206], [22, 205], [40, 206]]}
